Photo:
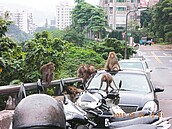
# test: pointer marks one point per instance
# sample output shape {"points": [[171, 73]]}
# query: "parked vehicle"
{"points": [[112, 117], [145, 41], [136, 64], [76, 117], [136, 92]]}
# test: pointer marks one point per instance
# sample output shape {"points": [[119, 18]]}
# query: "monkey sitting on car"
{"points": [[112, 62]]}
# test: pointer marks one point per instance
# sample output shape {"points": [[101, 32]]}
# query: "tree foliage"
{"points": [[157, 21], [42, 50], [77, 56], [88, 19]]}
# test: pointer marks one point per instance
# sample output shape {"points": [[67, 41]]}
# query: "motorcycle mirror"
{"points": [[82, 86]]}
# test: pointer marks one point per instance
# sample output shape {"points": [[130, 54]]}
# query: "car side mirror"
{"points": [[120, 84], [158, 89], [148, 70]]}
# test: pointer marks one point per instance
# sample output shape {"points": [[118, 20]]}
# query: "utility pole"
{"points": [[126, 28]]}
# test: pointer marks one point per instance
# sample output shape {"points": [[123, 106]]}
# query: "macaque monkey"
{"points": [[73, 92], [107, 78], [47, 72], [82, 72], [91, 69], [112, 62]]}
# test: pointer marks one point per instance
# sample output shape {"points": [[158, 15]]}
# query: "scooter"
{"points": [[76, 117], [105, 116]]}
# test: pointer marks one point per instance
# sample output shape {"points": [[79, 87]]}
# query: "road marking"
{"points": [[165, 54], [156, 58]]}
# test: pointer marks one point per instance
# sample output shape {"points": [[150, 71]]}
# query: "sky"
{"points": [[42, 4], [41, 9]]}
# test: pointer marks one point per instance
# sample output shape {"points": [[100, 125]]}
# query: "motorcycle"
{"points": [[76, 117], [113, 116]]}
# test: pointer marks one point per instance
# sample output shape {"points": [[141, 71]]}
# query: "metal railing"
{"points": [[8, 89]]}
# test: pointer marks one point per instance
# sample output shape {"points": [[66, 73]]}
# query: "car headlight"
{"points": [[151, 106]]}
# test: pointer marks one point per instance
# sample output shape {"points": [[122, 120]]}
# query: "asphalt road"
{"points": [[159, 58]]}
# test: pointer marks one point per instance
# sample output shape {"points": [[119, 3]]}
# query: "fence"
{"points": [[33, 86]]}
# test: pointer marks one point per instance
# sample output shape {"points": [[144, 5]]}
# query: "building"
{"points": [[24, 20], [63, 15], [151, 3], [21, 18], [116, 11]]}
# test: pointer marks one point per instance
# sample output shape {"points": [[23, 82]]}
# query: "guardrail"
{"points": [[33, 86]]}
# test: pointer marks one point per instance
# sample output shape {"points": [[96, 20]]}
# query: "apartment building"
{"points": [[116, 11], [151, 3], [22, 18], [63, 14]]}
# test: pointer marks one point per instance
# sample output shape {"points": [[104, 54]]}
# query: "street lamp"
{"points": [[126, 39]]}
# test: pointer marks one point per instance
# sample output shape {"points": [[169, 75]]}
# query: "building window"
{"points": [[120, 0], [120, 8], [111, 10]]}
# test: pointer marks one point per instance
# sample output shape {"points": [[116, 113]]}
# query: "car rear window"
{"points": [[137, 65]]}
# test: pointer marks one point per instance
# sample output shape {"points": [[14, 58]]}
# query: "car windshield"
{"points": [[137, 65], [96, 81], [130, 82]]}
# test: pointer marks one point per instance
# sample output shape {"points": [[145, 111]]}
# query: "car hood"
{"points": [[134, 98]]}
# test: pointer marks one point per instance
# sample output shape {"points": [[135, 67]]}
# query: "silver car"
{"points": [[136, 64]]}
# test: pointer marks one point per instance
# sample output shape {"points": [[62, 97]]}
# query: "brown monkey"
{"points": [[107, 78], [91, 70], [82, 72], [47, 72], [73, 92], [112, 62]]}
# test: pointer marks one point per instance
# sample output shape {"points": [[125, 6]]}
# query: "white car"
{"points": [[136, 64]]}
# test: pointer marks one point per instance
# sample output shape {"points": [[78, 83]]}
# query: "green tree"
{"points": [[3, 27], [89, 20], [42, 50], [74, 37], [146, 18], [162, 18], [77, 56]]}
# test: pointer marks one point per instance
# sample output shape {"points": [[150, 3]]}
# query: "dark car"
{"points": [[136, 92]]}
